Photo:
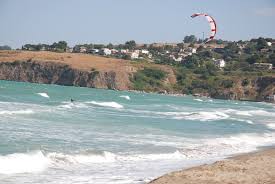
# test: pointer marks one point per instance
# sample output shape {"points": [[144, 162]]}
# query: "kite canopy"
{"points": [[212, 24]]}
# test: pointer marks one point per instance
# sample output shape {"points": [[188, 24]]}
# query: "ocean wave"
{"points": [[7, 112], [23, 163], [191, 149], [44, 95], [71, 105], [161, 156], [199, 115], [107, 104], [199, 100], [125, 96], [82, 158], [243, 120], [203, 116], [271, 125]]}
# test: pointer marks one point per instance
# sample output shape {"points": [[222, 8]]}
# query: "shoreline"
{"points": [[72, 69], [257, 167]]}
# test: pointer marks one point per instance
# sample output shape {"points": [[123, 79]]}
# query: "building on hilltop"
{"points": [[106, 51], [134, 55], [263, 66], [220, 63]]}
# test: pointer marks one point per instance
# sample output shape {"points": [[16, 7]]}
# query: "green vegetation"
{"points": [[148, 79], [60, 46]]}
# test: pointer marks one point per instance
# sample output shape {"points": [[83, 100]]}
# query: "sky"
{"points": [[116, 21]]}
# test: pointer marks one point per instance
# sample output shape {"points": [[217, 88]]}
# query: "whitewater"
{"points": [[106, 136]]}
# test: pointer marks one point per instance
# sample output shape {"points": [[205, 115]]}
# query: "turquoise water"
{"points": [[118, 137]]}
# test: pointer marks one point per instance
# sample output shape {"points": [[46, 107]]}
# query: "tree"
{"points": [[261, 43], [190, 39], [130, 44], [271, 58], [59, 46], [192, 61], [253, 59], [110, 46]]}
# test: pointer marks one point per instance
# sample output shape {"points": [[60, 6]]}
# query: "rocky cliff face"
{"points": [[255, 89], [56, 73]]}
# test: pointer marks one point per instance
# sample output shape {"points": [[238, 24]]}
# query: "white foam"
{"points": [[44, 95], [7, 112], [125, 96], [199, 100], [71, 105], [23, 163], [82, 158], [243, 120], [271, 125], [107, 104], [225, 146], [204, 116], [162, 156], [243, 113]]}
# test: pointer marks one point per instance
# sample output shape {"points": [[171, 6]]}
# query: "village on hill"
{"points": [[258, 53]]}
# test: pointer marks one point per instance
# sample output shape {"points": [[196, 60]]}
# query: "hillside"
{"points": [[72, 69]]}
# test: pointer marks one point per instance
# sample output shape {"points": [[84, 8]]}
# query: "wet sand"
{"points": [[251, 168]]}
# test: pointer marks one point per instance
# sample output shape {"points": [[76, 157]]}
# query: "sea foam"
{"points": [[107, 104], [125, 96], [44, 95], [23, 163], [7, 112]]}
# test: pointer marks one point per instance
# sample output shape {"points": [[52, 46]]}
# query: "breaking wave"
{"points": [[107, 104], [271, 125], [125, 96], [199, 100], [23, 163], [44, 95], [7, 112], [199, 149]]}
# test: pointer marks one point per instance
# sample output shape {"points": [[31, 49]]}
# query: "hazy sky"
{"points": [[116, 21]]}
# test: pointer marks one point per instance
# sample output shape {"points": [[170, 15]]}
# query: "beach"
{"points": [[251, 168]]}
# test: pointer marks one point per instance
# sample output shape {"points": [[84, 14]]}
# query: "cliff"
{"points": [[252, 88], [55, 73], [72, 69]]}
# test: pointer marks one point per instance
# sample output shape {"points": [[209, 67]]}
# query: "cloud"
{"points": [[267, 12]]}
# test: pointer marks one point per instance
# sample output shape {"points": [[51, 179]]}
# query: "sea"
{"points": [[119, 137]]}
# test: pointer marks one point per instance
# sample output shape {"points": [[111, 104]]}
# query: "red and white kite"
{"points": [[212, 24]]}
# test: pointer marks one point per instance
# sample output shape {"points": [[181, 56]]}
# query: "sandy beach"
{"points": [[252, 168]]}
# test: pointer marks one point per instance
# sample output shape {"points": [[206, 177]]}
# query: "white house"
{"points": [[220, 63], [94, 51], [106, 51], [143, 51], [179, 59], [124, 51], [269, 44], [82, 49], [134, 55], [137, 51], [114, 51], [263, 66]]}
